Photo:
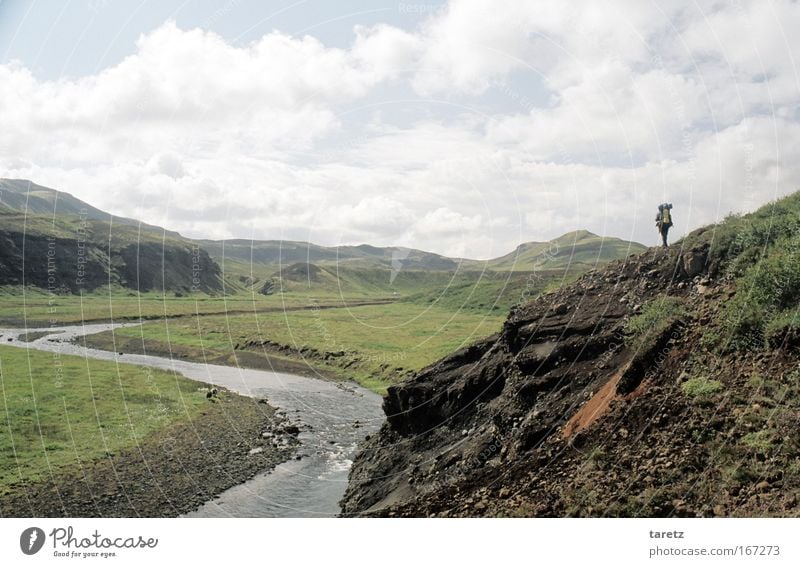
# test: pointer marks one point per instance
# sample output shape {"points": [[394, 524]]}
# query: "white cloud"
{"points": [[613, 111], [286, 137]]}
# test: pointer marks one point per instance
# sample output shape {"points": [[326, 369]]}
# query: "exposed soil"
{"points": [[564, 414], [32, 336], [173, 471], [593, 410]]}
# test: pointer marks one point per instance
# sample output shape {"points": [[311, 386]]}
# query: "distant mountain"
{"points": [[24, 196], [54, 241], [283, 252], [574, 249], [133, 254]]}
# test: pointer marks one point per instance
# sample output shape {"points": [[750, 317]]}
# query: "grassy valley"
{"points": [[86, 437], [364, 312], [376, 345]]}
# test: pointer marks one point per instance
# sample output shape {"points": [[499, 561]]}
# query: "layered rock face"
{"points": [[562, 413]]}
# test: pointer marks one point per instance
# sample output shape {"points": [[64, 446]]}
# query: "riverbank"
{"points": [[375, 346], [116, 342], [99, 433], [173, 470], [84, 437]]}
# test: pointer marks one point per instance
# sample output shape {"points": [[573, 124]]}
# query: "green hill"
{"points": [[128, 253], [574, 249], [286, 252], [23, 196], [54, 241]]}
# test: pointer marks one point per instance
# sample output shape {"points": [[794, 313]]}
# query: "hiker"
{"points": [[664, 221]]}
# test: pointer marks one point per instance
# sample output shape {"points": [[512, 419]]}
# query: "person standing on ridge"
{"points": [[664, 221]]}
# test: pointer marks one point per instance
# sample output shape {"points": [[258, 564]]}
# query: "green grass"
{"points": [[579, 250], [760, 252], [59, 412], [462, 291], [764, 309], [655, 316], [701, 387], [44, 309], [739, 241], [760, 442], [490, 292], [433, 313], [380, 342]]}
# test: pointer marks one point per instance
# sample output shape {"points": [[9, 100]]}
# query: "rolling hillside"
{"points": [[127, 253], [56, 242], [578, 248], [285, 252], [23, 196]]}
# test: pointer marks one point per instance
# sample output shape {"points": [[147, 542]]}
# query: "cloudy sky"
{"points": [[462, 127]]}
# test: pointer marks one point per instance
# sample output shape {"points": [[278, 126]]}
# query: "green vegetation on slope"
{"points": [[69, 254], [760, 252], [575, 250], [572, 250], [655, 317], [32, 200], [66, 411], [54, 241], [288, 252]]}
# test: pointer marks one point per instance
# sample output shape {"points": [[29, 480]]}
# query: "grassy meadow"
{"points": [[61, 412], [375, 345], [365, 324]]}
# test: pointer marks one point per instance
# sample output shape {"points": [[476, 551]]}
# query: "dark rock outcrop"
{"points": [[64, 264], [562, 414]]}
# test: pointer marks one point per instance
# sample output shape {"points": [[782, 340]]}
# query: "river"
{"points": [[309, 487]]}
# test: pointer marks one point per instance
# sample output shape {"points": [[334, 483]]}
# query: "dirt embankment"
{"points": [[171, 472], [562, 413]]}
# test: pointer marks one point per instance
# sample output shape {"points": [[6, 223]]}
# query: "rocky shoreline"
{"points": [[173, 471]]}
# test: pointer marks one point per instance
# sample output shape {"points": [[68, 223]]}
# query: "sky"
{"points": [[464, 127]]}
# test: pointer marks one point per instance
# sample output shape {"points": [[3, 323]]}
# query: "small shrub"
{"points": [[711, 340], [743, 325], [763, 310], [760, 442], [775, 280], [655, 315], [701, 387], [596, 459], [783, 329]]}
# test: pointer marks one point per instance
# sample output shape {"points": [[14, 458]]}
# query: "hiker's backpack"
{"points": [[666, 216]]}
